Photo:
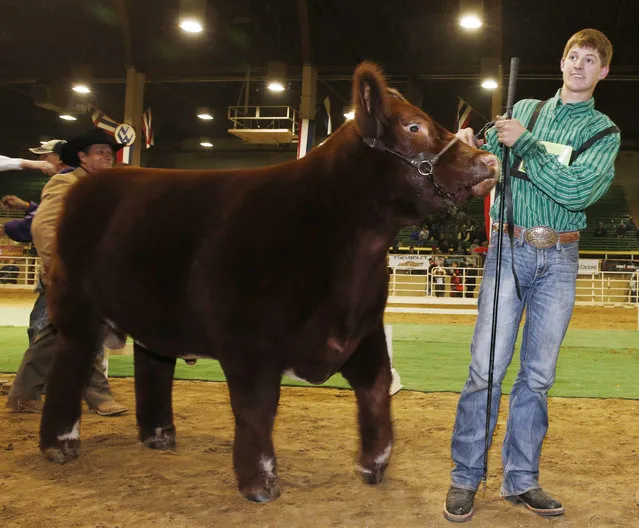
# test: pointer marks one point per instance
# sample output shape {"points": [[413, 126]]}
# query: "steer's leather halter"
{"points": [[423, 162]]}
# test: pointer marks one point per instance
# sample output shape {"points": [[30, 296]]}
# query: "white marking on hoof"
{"points": [[383, 458], [74, 434], [291, 374], [363, 469], [268, 465]]}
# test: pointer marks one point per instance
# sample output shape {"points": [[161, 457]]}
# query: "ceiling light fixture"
{"points": [[192, 16], [204, 114], [471, 14]]}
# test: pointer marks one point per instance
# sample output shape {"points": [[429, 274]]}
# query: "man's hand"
{"points": [[13, 203], [41, 165], [467, 135], [508, 130]]}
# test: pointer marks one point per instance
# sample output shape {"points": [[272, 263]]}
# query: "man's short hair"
{"points": [[592, 39]]}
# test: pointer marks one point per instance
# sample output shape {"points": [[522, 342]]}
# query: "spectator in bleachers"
{"points": [[439, 278], [634, 287], [621, 229], [423, 236], [471, 278], [456, 284], [600, 230], [430, 265], [9, 273]]}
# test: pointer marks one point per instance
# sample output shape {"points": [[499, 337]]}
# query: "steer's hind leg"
{"points": [[154, 398], [255, 392], [368, 372], [77, 341]]}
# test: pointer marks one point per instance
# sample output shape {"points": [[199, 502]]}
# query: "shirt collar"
{"points": [[559, 108]]}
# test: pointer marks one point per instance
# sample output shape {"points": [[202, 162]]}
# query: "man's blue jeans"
{"points": [[547, 278]]}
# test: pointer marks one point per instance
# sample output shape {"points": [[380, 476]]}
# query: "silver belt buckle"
{"points": [[541, 237]]}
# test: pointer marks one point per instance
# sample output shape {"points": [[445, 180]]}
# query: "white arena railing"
{"points": [[410, 290], [414, 291]]}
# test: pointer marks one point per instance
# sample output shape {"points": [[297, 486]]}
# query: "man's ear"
{"points": [[604, 72], [369, 100]]}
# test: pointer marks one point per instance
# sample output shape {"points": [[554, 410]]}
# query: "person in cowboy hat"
{"points": [[91, 152]]}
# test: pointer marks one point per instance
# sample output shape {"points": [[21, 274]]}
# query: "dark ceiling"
{"points": [[417, 42]]}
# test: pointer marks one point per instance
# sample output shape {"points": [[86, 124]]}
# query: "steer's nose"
{"points": [[491, 161]]}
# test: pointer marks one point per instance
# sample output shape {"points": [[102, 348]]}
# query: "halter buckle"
{"points": [[429, 168]]}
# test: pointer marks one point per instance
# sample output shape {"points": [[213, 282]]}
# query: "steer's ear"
{"points": [[369, 100]]}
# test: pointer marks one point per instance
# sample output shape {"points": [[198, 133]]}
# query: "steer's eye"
{"points": [[414, 128]]}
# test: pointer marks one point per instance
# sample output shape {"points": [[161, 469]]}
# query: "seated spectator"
{"points": [[423, 235], [600, 230], [621, 229], [9, 273]]}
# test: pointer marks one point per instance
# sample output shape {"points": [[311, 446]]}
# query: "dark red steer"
{"points": [[268, 270]]}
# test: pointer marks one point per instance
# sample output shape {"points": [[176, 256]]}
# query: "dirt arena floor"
{"points": [[590, 462]]}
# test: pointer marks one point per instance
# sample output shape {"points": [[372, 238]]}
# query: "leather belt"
{"points": [[542, 237]]}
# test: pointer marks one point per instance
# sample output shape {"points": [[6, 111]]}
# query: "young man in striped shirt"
{"points": [[554, 181]]}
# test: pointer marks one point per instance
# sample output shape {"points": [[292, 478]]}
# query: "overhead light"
{"points": [[81, 88], [192, 15], [206, 143], [190, 25], [204, 114], [350, 115], [68, 117], [275, 86], [276, 75], [489, 76], [471, 13], [81, 79], [470, 22]]}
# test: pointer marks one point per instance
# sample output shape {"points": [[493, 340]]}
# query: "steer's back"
{"points": [[186, 255]]}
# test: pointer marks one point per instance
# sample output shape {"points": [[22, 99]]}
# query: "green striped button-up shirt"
{"points": [[557, 195]]}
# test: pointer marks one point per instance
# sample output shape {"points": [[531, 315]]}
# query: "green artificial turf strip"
{"points": [[592, 363]]}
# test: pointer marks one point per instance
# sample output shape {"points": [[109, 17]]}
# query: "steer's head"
{"points": [[388, 122]]}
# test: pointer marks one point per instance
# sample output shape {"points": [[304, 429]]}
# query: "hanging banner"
{"points": [[620, 265], [588, 266], [409, 261]]}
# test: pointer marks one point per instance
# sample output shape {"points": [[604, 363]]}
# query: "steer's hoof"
{"points": [[372, 475], [163, 438], [262, 493], [64, 452]]}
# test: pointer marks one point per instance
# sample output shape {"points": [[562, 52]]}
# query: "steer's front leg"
{"points": [[368, 372], [255, 393]]}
